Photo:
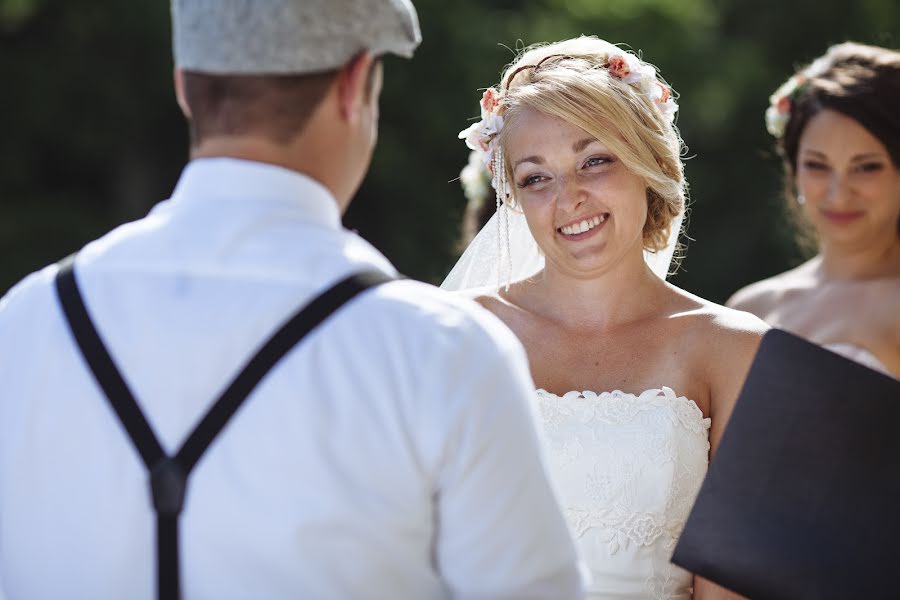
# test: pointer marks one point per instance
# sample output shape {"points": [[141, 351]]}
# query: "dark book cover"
{"points": [[802, 499]]}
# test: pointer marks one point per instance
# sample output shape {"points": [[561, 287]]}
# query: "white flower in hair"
{"points": [[782, 101], [661, 95], [629, 68], [818, 67], [668, 109], [481, 135]]}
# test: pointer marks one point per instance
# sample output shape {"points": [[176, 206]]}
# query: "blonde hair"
{"points": [[570, 80]]}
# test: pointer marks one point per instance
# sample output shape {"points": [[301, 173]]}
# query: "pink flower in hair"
{"points": [[489, 101], [618, 67], [784, 105], [666, 93]]}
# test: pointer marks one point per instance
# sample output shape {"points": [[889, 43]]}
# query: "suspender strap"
{"points": [[168, 475], [103, 367]]}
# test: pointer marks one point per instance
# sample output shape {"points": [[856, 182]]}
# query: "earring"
{"points": [[801, 199]]}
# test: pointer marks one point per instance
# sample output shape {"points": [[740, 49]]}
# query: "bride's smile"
{"points": [[583, 228]]}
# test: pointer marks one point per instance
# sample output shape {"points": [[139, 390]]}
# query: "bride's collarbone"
{"points": [[631, 357], [578, 364]]}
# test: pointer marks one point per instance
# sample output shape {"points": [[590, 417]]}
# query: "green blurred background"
{"points": [[90, 135]]}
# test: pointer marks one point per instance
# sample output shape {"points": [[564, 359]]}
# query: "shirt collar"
{"points": [[258, 184]]}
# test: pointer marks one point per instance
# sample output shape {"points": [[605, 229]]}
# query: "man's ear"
{"points": [[178, 76], [353, 86]]}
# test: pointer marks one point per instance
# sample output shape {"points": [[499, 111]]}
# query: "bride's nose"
{"points": [[571, 194]]}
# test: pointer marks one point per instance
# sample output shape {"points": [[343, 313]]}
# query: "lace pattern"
{"points": [[627, 467]]}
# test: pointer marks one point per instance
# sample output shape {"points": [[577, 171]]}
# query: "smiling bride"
{"points": [[637, 377]]}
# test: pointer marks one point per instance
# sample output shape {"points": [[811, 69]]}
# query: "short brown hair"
{"points": [[277, 107], [274, 106]]}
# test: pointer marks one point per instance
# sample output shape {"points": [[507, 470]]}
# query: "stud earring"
{"points": [[801, 199]]}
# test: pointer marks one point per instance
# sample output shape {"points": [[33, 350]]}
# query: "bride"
{"points": [[637, 377]]}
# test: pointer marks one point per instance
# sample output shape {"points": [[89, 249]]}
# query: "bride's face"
{"points": [[585, 209]]}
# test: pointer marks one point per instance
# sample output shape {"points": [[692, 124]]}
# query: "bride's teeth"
{"points": [[583, 226]]}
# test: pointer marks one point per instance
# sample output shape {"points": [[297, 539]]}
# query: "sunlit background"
{"points": [[90, 135]]}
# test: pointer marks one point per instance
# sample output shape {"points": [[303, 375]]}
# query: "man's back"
{"points": [[389, 455]]}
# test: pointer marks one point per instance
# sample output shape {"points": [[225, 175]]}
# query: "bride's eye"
{"points": [[596, 161], [531, 180]]}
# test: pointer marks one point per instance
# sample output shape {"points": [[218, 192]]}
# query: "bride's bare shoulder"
{"points": [[718, 327], [493, 296], [721, 343], [485, 296], [505, 302]]}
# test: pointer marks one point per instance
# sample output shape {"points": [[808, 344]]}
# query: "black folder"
{"points": [[802, 499]]}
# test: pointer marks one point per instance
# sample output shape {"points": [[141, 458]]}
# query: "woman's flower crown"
{"points": [[482, 136], [782, 101]]}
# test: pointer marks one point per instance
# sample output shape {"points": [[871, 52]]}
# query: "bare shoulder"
{"points": [[503, 303], [715, 319], [730, 327], [724, 342], [725, 338], [761, 297], [758, 298], [479, 295], [737, 332], [487, 297]]}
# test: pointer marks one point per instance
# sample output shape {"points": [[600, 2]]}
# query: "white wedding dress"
{"points": [[627, 468]]}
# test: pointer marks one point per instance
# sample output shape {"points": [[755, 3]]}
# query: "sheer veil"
{"points": [[504, 251]]}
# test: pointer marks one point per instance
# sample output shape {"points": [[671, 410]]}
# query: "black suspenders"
{"points": [[169, 474]]}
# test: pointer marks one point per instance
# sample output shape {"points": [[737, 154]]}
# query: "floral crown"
{"points": [[482, 135], [782, 101]]}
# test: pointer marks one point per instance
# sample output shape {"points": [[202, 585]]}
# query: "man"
{"points": [[388, 454]]}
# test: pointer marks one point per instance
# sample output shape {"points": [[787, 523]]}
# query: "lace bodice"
{"points": [[627, 468]]}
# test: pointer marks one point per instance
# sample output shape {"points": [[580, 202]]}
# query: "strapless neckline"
{"points": [[857, 353], [654, 395]]}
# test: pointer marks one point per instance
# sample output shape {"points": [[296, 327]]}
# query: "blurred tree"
{"points": [[92, 136]]}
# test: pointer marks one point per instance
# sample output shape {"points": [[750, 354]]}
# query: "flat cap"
{"points": [[288, 37]]}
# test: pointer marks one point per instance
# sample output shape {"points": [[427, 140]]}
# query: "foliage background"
{"points": [[91, 137]]}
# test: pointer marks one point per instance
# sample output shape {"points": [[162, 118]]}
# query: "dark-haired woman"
{"points": [[837, 125]]}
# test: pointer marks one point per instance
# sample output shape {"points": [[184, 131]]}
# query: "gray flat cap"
{"points": [[258, 37]]}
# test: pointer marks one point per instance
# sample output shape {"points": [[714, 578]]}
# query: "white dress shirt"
{"points": [[391, 455]]}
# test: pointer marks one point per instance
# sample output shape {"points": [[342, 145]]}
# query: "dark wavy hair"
{"points": [[859, 81]]}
